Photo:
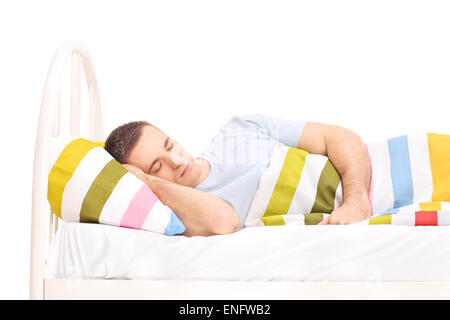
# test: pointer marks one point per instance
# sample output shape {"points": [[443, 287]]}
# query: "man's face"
{"points": [[159, 155]]}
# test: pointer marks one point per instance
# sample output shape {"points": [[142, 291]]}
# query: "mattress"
{"points": [[275, 253]]}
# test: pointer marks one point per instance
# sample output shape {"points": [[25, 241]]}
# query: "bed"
{"points": [[90, 261]]}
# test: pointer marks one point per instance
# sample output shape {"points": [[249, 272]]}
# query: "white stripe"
{"points": [[404, 218], [420, 167], [338, 196], [443, 218], [294, 219], [266, 185], [306, 191], [259, 223], [241, 151], [409, 208], [251, 148], [383, 194], [445, 206], [77, 187], [120, 199], [158, 218]]}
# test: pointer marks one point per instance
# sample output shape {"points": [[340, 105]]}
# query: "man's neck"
{"points": [[205, 170]]}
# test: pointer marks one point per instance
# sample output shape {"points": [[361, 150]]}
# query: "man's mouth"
{"points": [[185, 169]]}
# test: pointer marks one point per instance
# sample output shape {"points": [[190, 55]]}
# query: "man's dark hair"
{"points": [[124, 138]]}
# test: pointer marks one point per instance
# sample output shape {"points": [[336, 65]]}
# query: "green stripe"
{"points": [[386, 219], [326, 189], [313, 218], [287, 182], [100, 191], [273, 220]]}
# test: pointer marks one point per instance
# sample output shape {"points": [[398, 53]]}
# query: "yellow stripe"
{"points": [[430, 206], [273, 220], [386, 219], [63, 169], [287, 182], [439, 149]]}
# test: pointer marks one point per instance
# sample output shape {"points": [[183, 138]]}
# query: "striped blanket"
{"points": [[410, 184]]}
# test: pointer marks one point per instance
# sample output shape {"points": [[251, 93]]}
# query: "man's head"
{"points": [[141, 144]]}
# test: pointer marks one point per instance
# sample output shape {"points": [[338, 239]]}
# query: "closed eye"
{"points": [[160, 162], [160, 165]]}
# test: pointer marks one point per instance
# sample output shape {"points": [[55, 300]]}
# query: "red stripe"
{"points": [[426, 218]]}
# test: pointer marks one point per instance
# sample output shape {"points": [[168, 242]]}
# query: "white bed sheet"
{"points": [[294, 253]]}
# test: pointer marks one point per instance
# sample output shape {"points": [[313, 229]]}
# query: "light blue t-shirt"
{"points": [[240, 153]]}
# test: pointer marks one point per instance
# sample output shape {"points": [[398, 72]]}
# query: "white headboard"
{"points": [[43, 222]]}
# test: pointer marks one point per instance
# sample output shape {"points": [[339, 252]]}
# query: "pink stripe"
{"points": [[139, 208], [371, 188]]}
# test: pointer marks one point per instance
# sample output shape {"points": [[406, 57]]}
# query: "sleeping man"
{"points": [[211, 193]]}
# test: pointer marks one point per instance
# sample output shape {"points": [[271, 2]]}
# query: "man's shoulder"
{"points": [[250, 120], [236, 133], [240, 122], [255, 118]]}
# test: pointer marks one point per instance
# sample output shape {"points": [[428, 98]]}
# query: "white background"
{"points": [[380, 68]]}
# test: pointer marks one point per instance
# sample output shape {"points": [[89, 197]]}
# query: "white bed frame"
{"points": [[45, 223]]}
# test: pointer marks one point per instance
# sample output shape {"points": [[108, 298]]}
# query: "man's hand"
{"points": [[351, 160], [140, 174], [202, 214], [134, 170], [349, 212]]}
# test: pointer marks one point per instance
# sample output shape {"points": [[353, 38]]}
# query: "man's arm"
{"points": [[349, 156], [202, 213]]}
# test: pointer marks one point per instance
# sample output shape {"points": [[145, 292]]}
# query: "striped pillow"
{"points": [[86, 184]]}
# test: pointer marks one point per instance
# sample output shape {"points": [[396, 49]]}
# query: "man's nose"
{"points": [[176, 156]]}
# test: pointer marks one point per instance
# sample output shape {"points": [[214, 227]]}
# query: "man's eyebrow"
{"points": [[151, 166], [154, 161], [165, 142]]}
